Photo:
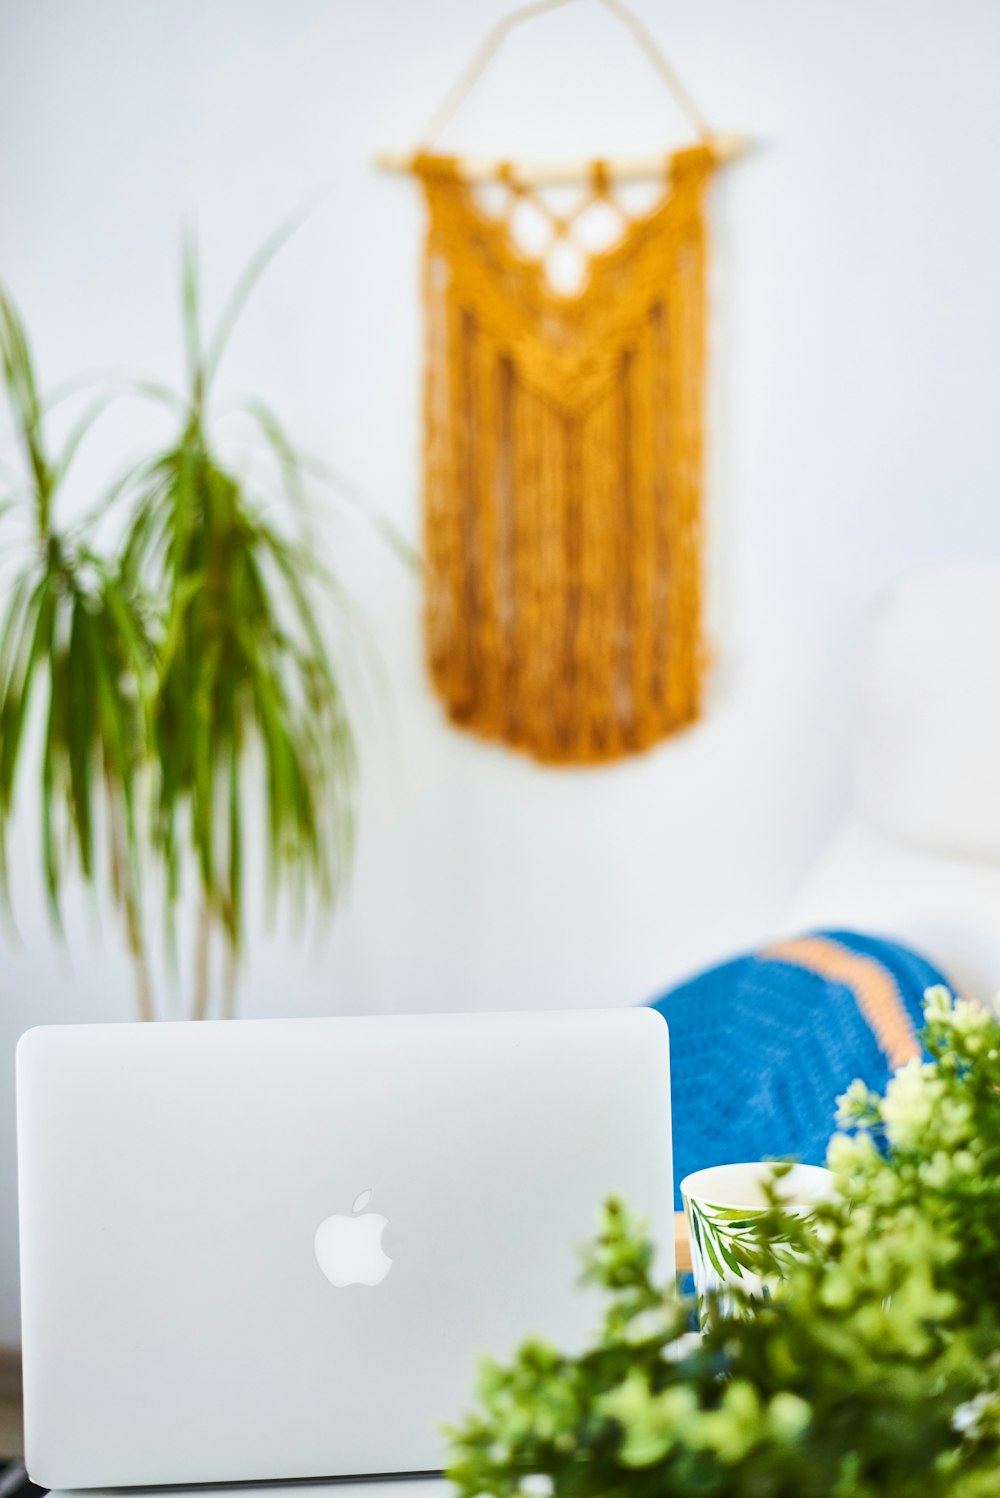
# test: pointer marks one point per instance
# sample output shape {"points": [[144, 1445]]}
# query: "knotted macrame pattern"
{"points": [[563, 471]]}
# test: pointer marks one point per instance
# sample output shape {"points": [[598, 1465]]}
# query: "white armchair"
{"points": [[918, 856]]}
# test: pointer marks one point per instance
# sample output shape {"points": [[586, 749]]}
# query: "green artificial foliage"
{"points": [[872, 1372], [188, 688]]}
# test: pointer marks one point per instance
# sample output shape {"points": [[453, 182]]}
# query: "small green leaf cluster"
{"points": [[873, 1369]]}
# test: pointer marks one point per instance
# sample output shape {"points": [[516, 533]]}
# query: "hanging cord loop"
{"points": [[724, 146], [490, 46]]}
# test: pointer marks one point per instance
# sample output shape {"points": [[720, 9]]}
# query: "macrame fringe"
{"points": [[563, 473]]}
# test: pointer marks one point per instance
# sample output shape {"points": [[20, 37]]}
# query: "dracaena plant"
{"points": [[873, 1370], [248, 720], [75, 638], [190, 688]]}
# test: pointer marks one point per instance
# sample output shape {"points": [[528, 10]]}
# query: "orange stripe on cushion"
{"points": [[875, 989]]}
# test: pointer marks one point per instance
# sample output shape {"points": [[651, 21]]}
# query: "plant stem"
{"points": [[202, 952], [143, 982], [125, 890], [229, 982]]}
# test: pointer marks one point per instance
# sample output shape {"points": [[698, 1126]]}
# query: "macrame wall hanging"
{"points": [[563, 441]]}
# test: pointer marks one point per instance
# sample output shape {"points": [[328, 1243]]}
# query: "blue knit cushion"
{"points": [[762, 1046]]}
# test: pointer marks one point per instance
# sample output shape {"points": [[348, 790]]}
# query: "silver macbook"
{"points": [[273, 1249]]}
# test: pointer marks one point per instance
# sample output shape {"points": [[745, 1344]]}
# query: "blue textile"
{"points": [[761, 1049]]}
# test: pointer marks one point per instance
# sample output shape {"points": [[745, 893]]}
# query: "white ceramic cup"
{"points": [[722, 1204]]}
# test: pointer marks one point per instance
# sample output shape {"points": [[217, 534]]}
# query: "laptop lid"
{"points": [[273, 1249]]}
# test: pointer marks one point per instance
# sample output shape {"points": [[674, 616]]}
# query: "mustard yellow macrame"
{"points": [[563, 473]]}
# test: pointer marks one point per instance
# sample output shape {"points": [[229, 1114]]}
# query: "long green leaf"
{"points": [[81, 689], [245, 284], [190, 320]]}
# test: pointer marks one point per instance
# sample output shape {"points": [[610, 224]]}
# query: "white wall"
{"points": [[856, 324]]}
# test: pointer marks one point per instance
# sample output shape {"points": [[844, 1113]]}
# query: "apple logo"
{"points": [[349, 1249]]}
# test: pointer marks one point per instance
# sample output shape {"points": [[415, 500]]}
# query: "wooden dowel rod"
{"points": [[538, 173]]}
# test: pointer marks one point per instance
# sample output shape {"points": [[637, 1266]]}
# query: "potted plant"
{"points": [[183, 677], [874, 1370]]}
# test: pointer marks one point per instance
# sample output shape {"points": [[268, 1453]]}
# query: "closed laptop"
{"points": [[273, 1249]]}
